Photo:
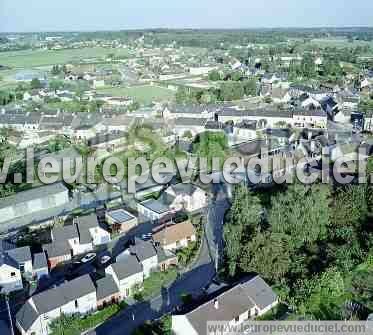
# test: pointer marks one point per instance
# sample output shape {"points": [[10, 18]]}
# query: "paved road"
{"points": [[192, 282]]}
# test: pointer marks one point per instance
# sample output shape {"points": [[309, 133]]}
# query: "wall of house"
{"points": [[129, 283], [99, 236], [54, 261], [8, 281], [149, 265], [87, 304], [148, 213], [182, 326], [114, 298], [182, 244]]}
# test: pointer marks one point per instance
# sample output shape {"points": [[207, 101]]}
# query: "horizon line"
{"points": [[187, 28]]}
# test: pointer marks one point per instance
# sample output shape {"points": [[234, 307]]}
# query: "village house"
{"points": [[244, 301], [23, 258], [40, 266], [120, 221], [188, 197], [90, 232], [10, 274], [57, 253], [127, 273], [107, 292], [145, 253], [153, 209], [174, 236], [33, 200], [76, 296]]}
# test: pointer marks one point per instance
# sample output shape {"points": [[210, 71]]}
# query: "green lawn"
{"points": [[35, 58], [142, 94], [155, 282]]}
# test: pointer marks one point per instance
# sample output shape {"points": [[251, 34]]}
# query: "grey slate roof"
{"points": [[57, 249], [143, 249], [26, 316], [40, 261], [127, 267], [232, 303], [190, 121], [156, 206], [54, 298], [5, 259], [184, 188], [64, 233], [20, 255], [32, 194], [84, 224], [106, 287]]}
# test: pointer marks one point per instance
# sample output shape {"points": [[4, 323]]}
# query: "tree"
{"points": [[302, 213], [362, 287], [35, 84], [243, 220], [267, 254], [214, 75]]}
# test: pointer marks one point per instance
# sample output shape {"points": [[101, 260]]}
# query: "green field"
{"points": [[142, 94], [36, 58], [339, 43]]}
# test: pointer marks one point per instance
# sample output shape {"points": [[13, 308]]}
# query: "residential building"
{"points": [[120, 220], [40, 266], [10, 275], [154, 209], [33, 200], [175, 236], [242, 302], [23, 257], [107, 292], [186, 196], [146, 255], [76, 296], [90, 232], [57, 253], [127, 273]]}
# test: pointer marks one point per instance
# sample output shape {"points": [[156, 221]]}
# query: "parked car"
{"points": [[105, 259], [89, 257], [146, 236]]}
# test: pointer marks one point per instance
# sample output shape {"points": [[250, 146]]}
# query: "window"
{"points": [[127, 292], [237, 318], [76, 303], [177, 243], [12, 274]]}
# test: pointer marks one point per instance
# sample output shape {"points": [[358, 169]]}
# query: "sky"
{"points": [[76, 15]]}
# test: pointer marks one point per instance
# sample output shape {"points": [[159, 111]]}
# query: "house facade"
{"points": [[245, 301]]}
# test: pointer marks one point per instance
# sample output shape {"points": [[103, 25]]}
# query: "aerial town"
{"points": [[79, 257]]}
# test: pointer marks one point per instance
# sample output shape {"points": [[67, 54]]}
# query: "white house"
{"points": [[146, 255], [154, 209], [127, 273], [187, 196], [90, 232], [76, 296], [10, 275], [23, 258], [242, 302]]}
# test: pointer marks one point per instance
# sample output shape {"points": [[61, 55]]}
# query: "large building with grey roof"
{"points": [[33, 201], [242, 302], [76, 296]]}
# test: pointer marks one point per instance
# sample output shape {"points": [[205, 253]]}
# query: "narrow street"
{"points": [[192, 282]]}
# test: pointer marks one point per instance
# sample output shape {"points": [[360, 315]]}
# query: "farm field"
{"points": [[36, 58], [339, 43], [142, 94]]}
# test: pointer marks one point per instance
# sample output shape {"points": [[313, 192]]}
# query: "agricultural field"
{"points": [[339, 43], [37, 58], [142, 94]]}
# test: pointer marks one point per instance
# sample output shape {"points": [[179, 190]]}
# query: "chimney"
{"points": [[216, 304]]}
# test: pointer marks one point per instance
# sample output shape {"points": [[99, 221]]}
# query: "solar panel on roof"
{"points": [[120, 216]]}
